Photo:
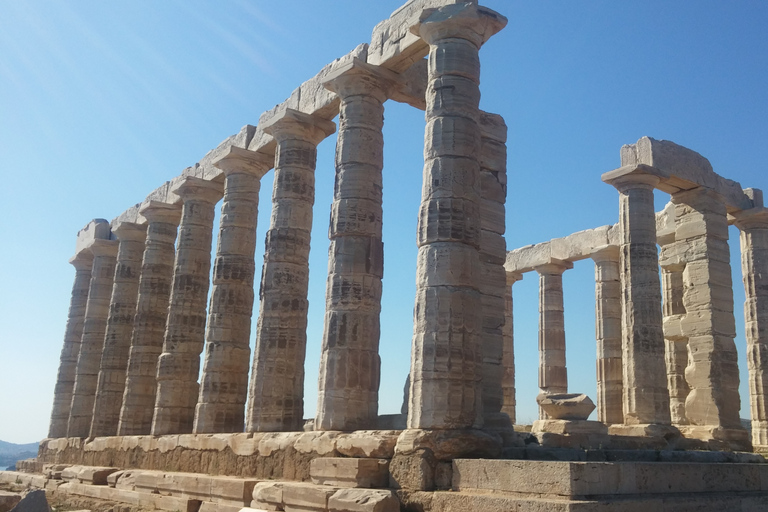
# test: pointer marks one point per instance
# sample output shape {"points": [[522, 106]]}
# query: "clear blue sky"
{"points": [[101, 102]]}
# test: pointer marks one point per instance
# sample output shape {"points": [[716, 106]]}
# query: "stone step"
{"points": [[348, 472], [306, 497], [606, 479]]}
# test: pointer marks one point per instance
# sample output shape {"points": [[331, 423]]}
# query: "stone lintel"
{"points": [[247, 161], [463, 21], [358, 77], [161, 212], [291, 124], [129, 231]]}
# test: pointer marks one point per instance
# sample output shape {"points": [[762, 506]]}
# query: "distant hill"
{"points": [[11, 452]]}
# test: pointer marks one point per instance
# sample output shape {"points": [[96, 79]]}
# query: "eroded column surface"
{"points": [[646, 398], [508, 382], [349, 364], [92, 342], [608, 334], [65, 380], [224, 383], [447, 358], [149, 322], [178, 366], [712, 373], [277, 381], [493, 285], [553, 375], [117, 341], [753, 225]]}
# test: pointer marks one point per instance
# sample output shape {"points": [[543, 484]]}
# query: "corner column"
{"points": [[224, 383], [150, 320], [277, 381], [646, 398], [349, 364], [608, 334], [553, 375], [117, 342], [65, 380], [179, 365], [447, 357], [92, 343], [508, 382], [753, 225]]}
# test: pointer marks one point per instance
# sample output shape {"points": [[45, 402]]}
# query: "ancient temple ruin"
{"points": [[128, 402]]}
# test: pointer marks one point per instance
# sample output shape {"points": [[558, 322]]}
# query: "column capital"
{"points": [[239, 160], [634, 176], [460, 21], [101, 247], [130, 231], [292, 124], [755, 218], [358, 78], [199, 189], [157, 211], [82, 260], [513, 277], [554, 267], [605, 253]]}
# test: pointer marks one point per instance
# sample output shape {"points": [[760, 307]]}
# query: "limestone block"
{"points": [[124, 479], [371, 443], [268, 495], [229, 489], [446, 445], [363, 500], [346, 472], [568, 427], [94, 475], [317, 443], [572, 406], [33, 501], [53, 471], [301, 497], [8, 500], [70, 473]]}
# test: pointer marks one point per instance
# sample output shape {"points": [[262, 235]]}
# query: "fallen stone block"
{"points": [[363, 500], [94, 475], [301, 497], [8, 500], [343, 472], [268, 496]]}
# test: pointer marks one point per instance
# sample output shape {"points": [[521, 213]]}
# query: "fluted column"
{"points": [[349, 363], [753, 225], [65, 380], [447, 358], [493, 285], [277, 380], [553, 375], [117, 342], [92, 342], [179, 365], [224, 383], [508, 382], [608, 334], [149, 322], [646, 398]]}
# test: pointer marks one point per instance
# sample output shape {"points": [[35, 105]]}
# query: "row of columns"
{"points": [[134, 358]]}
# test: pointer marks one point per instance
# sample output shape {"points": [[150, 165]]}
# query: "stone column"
{"points": [[117, 342], [508, 383], [151, 315], [349, 364], [646, 398], [608, 334], [224, 384], [178, 367], [673, 312], [447, 359], [92, 342], [65, 381], [712, 372], [553, 375], [753, 225], [493, 285], [277, 381]]}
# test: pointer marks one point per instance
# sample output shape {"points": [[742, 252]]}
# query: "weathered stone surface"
{"points": [[150, 320], [178, 366], [446, 445], [8, 500], [571, 406], [224, 383], [92, 342], [363, 500], [372, 443], [509, 406], [346, 472], [94, 475]]}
